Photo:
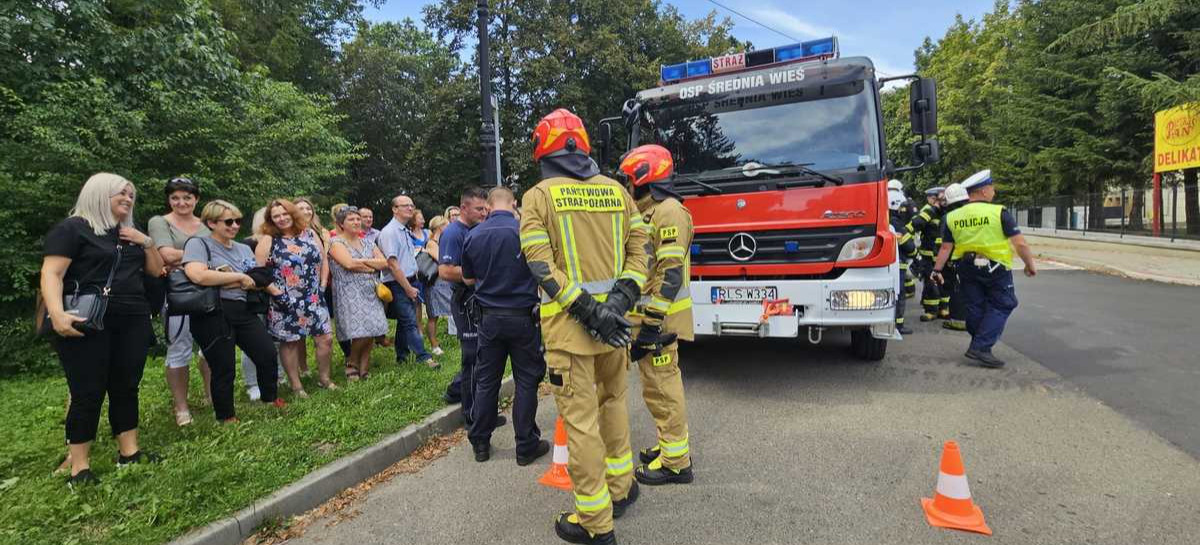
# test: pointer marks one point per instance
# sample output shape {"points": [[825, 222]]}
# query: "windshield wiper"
{"points": [[709, 187], [806, 169]]}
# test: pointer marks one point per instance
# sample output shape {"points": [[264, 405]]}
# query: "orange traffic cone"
{"points": [[556, 476], [951, 506]]}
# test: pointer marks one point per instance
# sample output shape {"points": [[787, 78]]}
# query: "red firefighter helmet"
{"points": [[647, 164], [559, 133]]}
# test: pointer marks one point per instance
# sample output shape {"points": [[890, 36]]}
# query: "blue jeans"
{"points": [[988, 299], [408, 337]]}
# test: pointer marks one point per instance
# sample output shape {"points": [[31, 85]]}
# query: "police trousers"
{"points": [[590, 393], [988, 299], [662, 389], [504, 335]]}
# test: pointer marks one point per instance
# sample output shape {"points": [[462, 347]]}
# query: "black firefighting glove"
{"points": [[601, 322], [650, 340], [623, 296]]}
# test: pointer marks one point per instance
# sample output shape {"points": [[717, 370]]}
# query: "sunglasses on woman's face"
{"points": [[230, 222]]}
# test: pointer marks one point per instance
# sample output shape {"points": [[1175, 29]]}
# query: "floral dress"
{"points": [[359, 311], [299, 312]]}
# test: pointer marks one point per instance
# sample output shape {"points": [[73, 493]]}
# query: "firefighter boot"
{"points": [[654, 474], [928, 317], [619, 506], [648, 455], [568, 529]]}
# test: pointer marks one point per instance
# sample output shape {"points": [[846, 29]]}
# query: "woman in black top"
{"points": [[80, 252]]}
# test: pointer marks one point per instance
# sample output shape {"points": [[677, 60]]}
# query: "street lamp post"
{"points": [[488, 142]]}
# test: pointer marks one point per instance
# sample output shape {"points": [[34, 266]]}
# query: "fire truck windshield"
{"points": [[731, 141]]}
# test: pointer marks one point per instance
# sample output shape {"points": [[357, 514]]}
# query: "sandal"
{"points": [[300, 394], [183, 418], [327, 384], [365, 376], [352, 374]]}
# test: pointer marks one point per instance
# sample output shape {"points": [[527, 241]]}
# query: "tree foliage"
{"points": [[1055, 96], [149, 90]]}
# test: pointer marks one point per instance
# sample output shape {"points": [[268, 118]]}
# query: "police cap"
{"points": [[934, 191], [978, 180]]}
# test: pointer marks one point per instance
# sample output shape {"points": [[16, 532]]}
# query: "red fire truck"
{"points": [[780, 156]]}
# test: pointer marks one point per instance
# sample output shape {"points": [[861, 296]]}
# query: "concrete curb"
{"points": [[1132, 240], [326, 482], [1108, 269]]}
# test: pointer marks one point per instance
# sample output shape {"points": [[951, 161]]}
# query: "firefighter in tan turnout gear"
{"points": [[585, 242], [663, 315]]}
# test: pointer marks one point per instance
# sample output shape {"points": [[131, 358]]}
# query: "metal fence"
{"points": [[1126, 212]]}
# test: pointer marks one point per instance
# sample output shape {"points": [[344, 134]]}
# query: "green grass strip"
{"points": [[210, 471]]}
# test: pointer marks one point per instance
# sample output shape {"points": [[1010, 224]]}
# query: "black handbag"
{"points": [[186, 298], [88, 305], [427, 268]]}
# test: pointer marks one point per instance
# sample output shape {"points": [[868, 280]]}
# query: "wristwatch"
{"points": [[148, 243]]}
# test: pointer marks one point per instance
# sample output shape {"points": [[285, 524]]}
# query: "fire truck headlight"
{"points": [[857, 248], [860, 299]]}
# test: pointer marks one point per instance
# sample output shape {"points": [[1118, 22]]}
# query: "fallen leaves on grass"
{"points": [[344, 506]]}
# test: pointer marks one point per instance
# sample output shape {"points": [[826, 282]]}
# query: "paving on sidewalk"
{"points": [[801, 444], [1132, 261]]}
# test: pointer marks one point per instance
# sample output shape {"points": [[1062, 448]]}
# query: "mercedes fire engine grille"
{"points": [[816, 245]]}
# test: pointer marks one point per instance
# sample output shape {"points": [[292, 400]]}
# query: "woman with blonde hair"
{"points": [[438, 300], [298, 311], [219, 260], [97, 251]]}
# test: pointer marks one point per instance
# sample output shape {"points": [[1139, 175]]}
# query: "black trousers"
{"points": [[468, 333], [506, 334], [108, 362], [218, 334]]}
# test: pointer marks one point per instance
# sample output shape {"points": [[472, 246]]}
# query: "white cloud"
{"points": [[788, 23]]}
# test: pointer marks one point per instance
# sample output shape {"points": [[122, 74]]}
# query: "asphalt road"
{"points": [[1135, 345], [800, 444]]}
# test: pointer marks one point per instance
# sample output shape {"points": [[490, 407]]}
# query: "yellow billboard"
{"points": [[1177, 138]]}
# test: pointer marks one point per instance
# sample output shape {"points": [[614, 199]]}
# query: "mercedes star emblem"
{"points": [[742, 247], [741, 203]]}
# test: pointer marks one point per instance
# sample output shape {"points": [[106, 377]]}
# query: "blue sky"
{"points": [[886, 30]]}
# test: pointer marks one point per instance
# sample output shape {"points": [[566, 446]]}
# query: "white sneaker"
{"points": [[437, 351], [253, 393]]}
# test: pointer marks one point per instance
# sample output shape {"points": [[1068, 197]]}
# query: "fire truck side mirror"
{"points": [[926, 152], [605, 143], [922, 101]]}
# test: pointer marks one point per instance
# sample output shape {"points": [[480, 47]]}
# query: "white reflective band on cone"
{"points": [[953, 486], [560, 454]]}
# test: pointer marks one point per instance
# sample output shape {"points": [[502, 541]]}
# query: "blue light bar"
{"points": [[695, 249], [827, 46], [789, 52], [674, 72], [791, 246], [813, 49], [699, 68]]}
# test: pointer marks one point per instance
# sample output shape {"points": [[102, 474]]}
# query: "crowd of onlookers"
{"points": [[290, 282]]}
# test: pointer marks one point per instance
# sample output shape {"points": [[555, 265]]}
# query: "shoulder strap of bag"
{"points": [[112, 271]]}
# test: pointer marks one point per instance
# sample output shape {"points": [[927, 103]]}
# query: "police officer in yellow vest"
{"points": [[980, 238], [585, 242], [663, 315]]}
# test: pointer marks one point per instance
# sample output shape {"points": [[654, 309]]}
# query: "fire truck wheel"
{"points": [[866, 347]]}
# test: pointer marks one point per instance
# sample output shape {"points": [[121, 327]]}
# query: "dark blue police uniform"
{"points": [[507, 295], [987, 291], [450, 252]]}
